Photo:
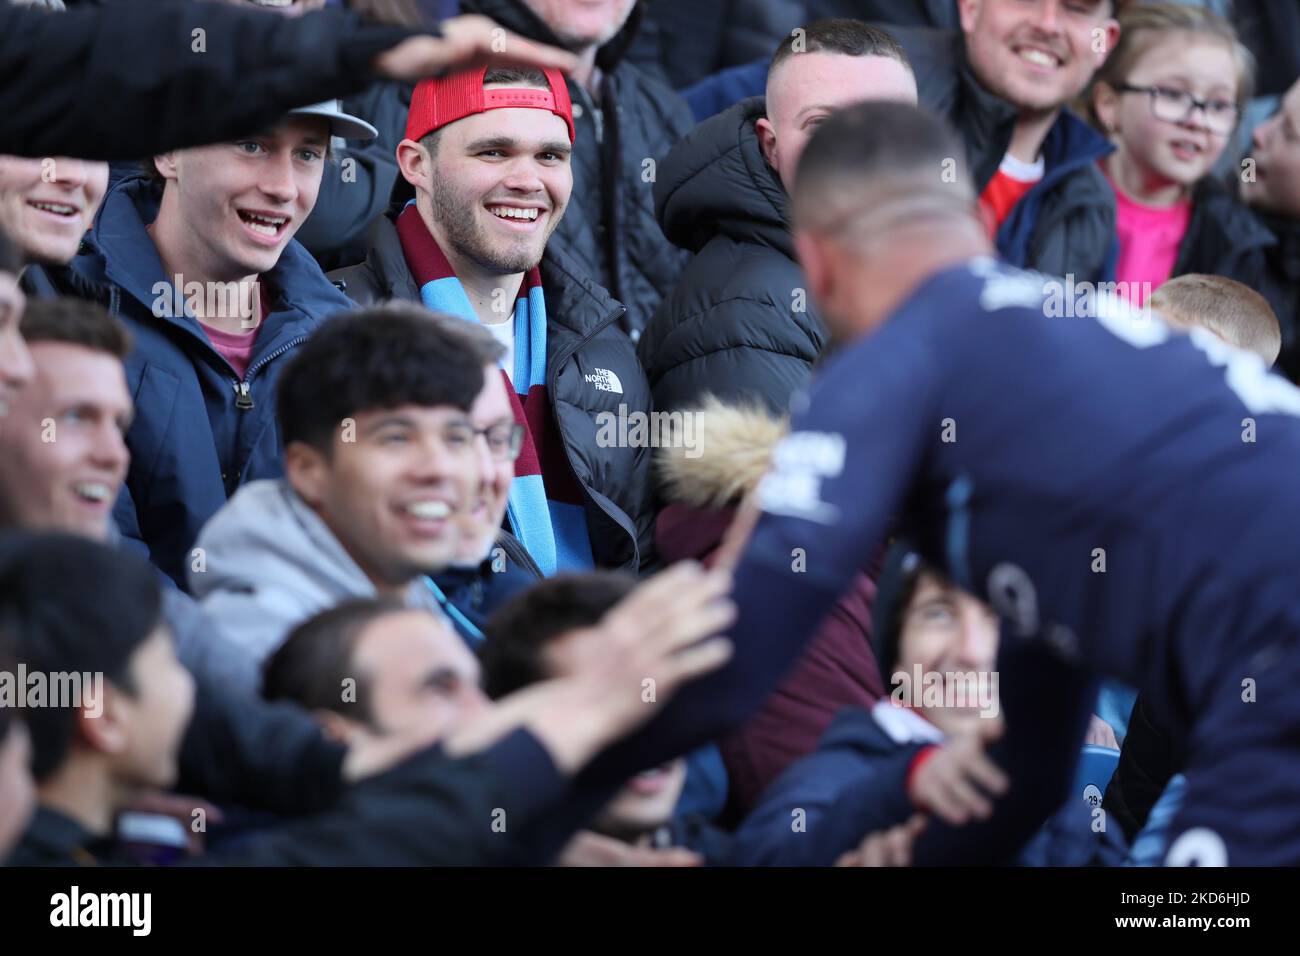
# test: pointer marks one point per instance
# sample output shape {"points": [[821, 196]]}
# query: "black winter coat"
{"points": [[1223, 237], [740, 324], [610, 227], [582, 343]]}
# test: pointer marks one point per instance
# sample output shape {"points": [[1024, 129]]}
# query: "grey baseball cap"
{"points": [[342, 124]]}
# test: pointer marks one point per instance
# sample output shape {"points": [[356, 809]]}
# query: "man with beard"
{"points": [[626, 120], [488, 154]]}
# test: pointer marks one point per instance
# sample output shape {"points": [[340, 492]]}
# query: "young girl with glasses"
{"points": [[1169, 97]]}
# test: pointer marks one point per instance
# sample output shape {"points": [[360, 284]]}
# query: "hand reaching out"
{"points": [[958, 781], [467, 41], [892, 847]]}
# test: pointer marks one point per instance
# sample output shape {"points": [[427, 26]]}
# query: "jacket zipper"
{"points": [[551, 375], [243, 398]]}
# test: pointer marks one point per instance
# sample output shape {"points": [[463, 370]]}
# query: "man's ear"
{"points": [[307, 470], [166, 165], [1111, 37], [336, 727], [767, 141], [415, 163], [968, 11], [814, 259], [108, 732]]}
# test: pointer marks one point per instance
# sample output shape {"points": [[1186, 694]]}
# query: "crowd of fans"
{"points": [[333, 335]]}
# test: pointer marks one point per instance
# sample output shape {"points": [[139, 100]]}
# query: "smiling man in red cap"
{"points": [[487, 153]]}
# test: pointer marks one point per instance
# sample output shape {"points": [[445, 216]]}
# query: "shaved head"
{"points": [[876, 165], [881, 201]]}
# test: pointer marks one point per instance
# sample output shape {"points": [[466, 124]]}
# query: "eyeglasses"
{"points": [[1176, 106], [504, 439]]}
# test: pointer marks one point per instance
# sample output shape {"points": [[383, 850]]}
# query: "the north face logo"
{"points": [[605, 380]]}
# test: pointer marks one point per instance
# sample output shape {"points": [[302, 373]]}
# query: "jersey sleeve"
{"points": [[836, 483], [838, 478]]}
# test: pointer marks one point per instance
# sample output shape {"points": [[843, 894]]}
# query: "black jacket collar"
{"points": [[55, 839], [716, 181]]}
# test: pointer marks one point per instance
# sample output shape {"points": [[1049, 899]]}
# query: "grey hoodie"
{"points": [[266, 561]]}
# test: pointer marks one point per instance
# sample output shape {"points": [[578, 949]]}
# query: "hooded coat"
{"points": [[271, 562], [740, 324]]}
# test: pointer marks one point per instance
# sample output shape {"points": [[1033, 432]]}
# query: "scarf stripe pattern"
{"points": [[546, 513]]}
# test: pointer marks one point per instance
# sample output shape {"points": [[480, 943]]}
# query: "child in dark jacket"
{"points": [[879, 774], [1169, 97]]}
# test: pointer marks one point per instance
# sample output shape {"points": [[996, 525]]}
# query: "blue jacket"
{"points": [[852, 785], [1069, 188], [199, 430], [470, 596], [713, 94]]}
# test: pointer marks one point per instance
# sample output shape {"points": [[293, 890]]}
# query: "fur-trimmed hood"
{"points": [[725, 450]]}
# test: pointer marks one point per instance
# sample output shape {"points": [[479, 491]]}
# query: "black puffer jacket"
{"points": [[740, 324], [610, 226], [586, 356], [1224, 238]]}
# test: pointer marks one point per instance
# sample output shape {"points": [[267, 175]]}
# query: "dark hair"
{"points": [[862, 142], [381, 357], [310, 666], [849, 37], [518, 633], [76, 322], [74, 606]]}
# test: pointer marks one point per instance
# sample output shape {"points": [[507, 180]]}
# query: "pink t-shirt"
{"points": [[237, 347], [1149, 237]]}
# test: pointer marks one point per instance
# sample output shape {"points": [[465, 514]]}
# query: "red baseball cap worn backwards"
{"points": [[437, 102]]}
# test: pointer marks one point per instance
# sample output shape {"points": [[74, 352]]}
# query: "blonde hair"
{"points": [[1234, 312], [1143, 25]]}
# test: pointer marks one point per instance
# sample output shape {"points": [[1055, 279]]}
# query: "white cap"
{"points": [[341, 123]]}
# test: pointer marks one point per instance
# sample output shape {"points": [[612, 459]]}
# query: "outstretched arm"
{"points": [[132, 80]]}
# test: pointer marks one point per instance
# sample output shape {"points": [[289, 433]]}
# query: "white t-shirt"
{"points": [[1020, 170], [504, 332]]}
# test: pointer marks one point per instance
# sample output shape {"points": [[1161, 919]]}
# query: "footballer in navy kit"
{"points": [[1124, 495]]}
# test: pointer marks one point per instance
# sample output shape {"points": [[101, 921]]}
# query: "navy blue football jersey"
{"points": [[1120, 491]]}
